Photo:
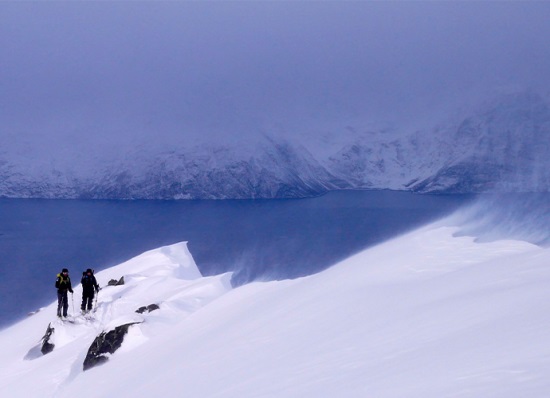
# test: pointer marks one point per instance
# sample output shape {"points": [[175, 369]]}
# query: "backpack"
{"points": [[88, 281], [60, 281]]}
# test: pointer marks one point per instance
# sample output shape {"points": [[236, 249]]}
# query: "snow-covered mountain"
{"points": [[428, 314], [504, 146], [270, 169]]}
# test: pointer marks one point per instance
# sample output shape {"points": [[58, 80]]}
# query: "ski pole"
{"points": [[72, 299], [95, 304]]}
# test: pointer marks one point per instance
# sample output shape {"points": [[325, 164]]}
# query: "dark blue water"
{"points": [[258, 239]]}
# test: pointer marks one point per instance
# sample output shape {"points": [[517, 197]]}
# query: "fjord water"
{"points": [[257, 239]]}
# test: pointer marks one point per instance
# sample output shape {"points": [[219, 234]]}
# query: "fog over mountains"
{"points": [[272, 99], [502, 146]]}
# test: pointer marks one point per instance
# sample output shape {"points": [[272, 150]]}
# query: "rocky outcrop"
{"points": [[149, 308], [47, 346], [114, 282], [106, 343]]}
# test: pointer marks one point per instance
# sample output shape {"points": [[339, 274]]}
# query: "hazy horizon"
{"points": [[93, 76]]}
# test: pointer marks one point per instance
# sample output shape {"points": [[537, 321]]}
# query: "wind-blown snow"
{"points": [[427, 314]]}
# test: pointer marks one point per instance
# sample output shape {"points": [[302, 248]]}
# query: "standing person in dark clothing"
{"points": [[89, 288], [63, 284]]}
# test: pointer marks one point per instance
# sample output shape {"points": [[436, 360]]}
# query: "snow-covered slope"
{"points": [[503, 145], [166, 277], [425, 315]]}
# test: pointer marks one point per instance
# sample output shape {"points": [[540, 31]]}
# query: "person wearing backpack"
{"points": [[89, 289], [63, 285]]}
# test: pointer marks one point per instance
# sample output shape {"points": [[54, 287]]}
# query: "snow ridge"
{"points": [[166, 278], [428, 314]]}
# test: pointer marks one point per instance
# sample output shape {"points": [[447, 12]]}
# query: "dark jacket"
{"points": [[89, 283], [63, 283]]}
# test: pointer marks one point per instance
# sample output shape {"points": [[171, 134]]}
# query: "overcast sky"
{"points": [[77, 70]]}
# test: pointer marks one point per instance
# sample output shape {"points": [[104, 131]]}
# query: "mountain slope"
{"points": [[426, 314], [272, 169], [504, 148], [167, 277]]}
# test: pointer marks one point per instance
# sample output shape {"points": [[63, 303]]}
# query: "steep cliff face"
{"points": [[505, 146]]}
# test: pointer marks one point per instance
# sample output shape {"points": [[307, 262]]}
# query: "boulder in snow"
{"points": [[149, 308], [114, 282], [47, 347], [105, 343]]}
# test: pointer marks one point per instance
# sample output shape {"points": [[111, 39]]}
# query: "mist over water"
{"points": [[256, 239]]}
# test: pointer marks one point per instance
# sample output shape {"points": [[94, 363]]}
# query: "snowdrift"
{"points": [[427, 314], [167, 278]]}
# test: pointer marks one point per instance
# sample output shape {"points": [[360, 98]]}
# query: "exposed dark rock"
{"points": [[149, 308], [43, 347], [47, 347], [105, 343], [114, 282]]}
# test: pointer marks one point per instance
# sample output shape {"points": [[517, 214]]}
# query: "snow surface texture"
{"points": [[428, 314], [502, 146]]}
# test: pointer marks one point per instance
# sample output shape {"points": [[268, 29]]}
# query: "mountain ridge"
{"points": [[503, 147]]}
